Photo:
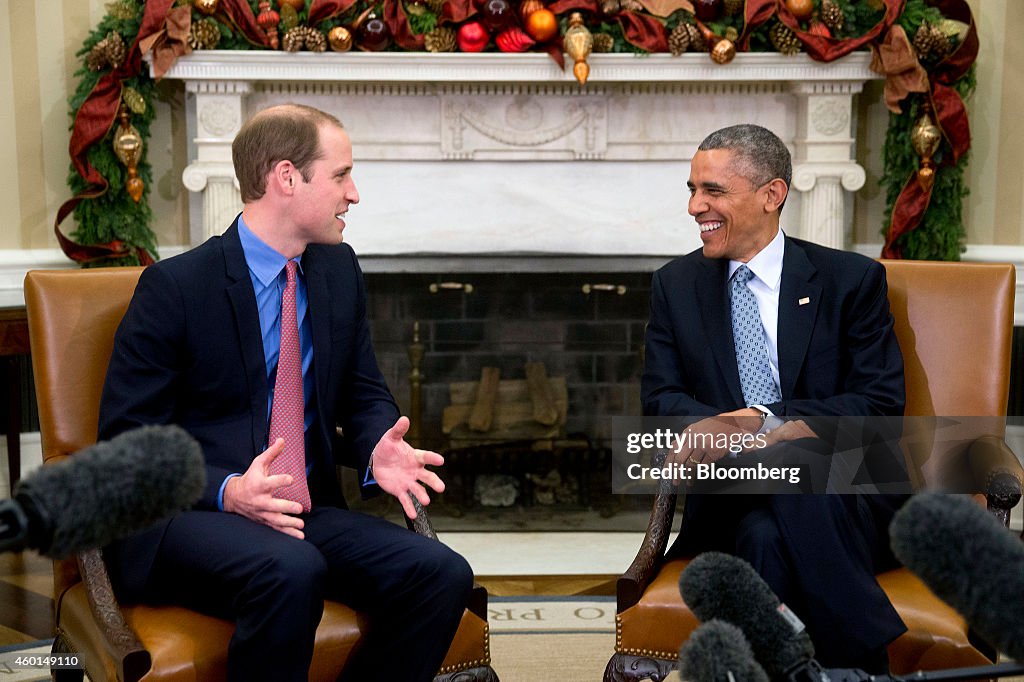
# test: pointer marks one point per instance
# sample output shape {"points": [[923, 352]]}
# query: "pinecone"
{"points": [[114, 49], [678, 40], [300, 36], [315, 40], [784, 40], [610, 8], [931, 43], [832, 15], [697, 43], [441, 39], [204, 35], [436, 6], [603, 42], [133, 100], [733, 7], [631, 6], [110, 52]]}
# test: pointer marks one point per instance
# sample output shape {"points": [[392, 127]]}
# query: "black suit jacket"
{"points": [[189, 351], [838, 354]]}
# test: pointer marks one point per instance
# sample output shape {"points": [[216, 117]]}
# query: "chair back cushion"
{"points": [[954, 322], [72, 317]]}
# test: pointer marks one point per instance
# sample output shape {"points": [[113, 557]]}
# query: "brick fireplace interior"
{"points": [[585, 327]]}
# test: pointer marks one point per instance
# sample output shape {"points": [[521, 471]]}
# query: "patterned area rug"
{"points": [[565, 615]]}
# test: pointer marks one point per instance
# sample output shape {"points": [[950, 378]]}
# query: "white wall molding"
{"points": [[15, 263], [981, 253]]}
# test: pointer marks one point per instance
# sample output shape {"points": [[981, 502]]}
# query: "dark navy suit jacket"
{"points": [[838, 354], [189, 352]]}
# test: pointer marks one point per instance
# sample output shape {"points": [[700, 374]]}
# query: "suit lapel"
{"points": [[713, 305], [247, 327], [799, 298]]}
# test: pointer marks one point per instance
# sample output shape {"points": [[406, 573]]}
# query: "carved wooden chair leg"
{"points": [[62, 649], [628, 668]]}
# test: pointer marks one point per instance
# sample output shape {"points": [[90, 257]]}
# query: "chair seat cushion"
{"points": [[660, 622], [936, 635], [187, 646]]}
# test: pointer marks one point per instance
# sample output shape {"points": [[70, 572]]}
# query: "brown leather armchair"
{"points": [[72, 319], [954, 323]]}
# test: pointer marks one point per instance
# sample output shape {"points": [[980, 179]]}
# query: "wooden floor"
{"points": [[26, 598]]}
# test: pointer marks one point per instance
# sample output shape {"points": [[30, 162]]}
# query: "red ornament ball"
{"points": [[374, 35], [497, 14], [473, 37]]}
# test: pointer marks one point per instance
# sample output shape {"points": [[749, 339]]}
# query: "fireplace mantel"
{"points": [[464, 160]]}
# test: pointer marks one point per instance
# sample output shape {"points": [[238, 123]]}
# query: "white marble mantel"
{"points": [[496, 155]]}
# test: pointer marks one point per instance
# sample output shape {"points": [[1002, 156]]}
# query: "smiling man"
{"points": [[757, 327], [257, 343]]}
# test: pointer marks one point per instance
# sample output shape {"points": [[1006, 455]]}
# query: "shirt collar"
{"points": [[264, 262], [767, 264]]}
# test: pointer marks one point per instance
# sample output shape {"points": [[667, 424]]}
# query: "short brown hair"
{"points": [[287, 132]]}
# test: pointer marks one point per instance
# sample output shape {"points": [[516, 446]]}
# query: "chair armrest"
{"points": [[998, 473], [123, 645], [422, 526], [651, 554]]}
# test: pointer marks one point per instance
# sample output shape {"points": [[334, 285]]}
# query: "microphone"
{"points": [[104, 492], [721, 586], [969, 560], [717, 651]]}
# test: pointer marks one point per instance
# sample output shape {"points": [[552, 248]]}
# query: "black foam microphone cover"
{"points": [[111, 490], [969, 560], [724, 587], [718, 652]]}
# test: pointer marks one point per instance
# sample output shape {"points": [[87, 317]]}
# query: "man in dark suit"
{"points": [[257, 343], [754, 332]]}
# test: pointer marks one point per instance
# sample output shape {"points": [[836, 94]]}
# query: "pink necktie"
{"points": [[287, 416]]}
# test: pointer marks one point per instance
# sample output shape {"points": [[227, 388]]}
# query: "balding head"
{"points": [[287, 132]]}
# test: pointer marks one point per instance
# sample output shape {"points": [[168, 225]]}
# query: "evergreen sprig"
{"points": [[115, 215]]}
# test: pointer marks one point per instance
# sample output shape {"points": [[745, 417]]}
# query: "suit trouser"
{"points": [[413, 590], [818, 553]]}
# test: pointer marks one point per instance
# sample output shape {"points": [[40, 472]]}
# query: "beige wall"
{"points": [[38, 41], [993, 211]]}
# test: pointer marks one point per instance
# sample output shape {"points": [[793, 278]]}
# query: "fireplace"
{"points": [[514, 217]]}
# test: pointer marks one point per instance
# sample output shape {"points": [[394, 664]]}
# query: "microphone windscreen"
{"points": [[969, 560], [714, 651], [717, 585], [114, 488]]}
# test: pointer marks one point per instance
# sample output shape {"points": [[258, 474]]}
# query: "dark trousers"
{"points": [[818, 553], [412, 589]]}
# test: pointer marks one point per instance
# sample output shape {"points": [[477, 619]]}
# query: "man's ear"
{"points": [[283, 175], [778, 190]]}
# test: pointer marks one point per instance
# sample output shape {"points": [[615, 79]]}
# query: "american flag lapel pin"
{"points": [[804, 301]]}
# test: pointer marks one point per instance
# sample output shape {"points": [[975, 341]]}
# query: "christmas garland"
{"points": [[927, 78]]}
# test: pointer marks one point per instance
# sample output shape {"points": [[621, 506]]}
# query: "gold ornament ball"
{"points": [[297, 5], [206, 6], [723, 52], [340, 39]]}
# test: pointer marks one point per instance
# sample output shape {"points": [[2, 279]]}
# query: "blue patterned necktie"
{"points": [[748, 336]]}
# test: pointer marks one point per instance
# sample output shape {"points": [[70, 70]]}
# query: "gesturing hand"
{"points": [[400, 469], [252, 495]]}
